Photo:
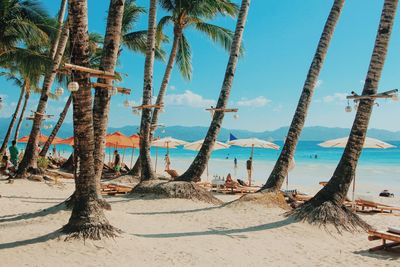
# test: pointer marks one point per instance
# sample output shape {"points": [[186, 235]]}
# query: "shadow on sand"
{"points": [[392, 254], [179, 211], [40, 239], [223, 232], [33, 215]]}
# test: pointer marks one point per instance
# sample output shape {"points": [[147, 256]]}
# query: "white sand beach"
{"points": [[175, 232]]}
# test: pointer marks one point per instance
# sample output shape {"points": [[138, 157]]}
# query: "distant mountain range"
{"points": [[316, 133]]}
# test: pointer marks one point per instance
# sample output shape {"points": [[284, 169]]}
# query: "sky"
{"points": [[280, 40]]}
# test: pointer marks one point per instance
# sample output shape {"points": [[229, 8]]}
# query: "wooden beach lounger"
{"points": [[365, 205], [385, 236], [114, 189], [173, 173]]}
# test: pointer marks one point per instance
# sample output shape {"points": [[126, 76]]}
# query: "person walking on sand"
{"points": [[117, 163], [167, 162], [14, 153], [249, 166]]}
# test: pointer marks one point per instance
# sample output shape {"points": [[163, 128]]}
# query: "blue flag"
{"points": [[232, 137]]}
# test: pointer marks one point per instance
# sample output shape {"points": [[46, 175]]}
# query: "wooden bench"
{"points": [[385, 236]]}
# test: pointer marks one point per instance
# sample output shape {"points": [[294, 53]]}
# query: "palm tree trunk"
{"points": [[199, 164], [30, 156], [280, 171], [136, 169], [56, 128], [60, 20], [326, 205], [87, 218], [13, 119], [147, 172], [22, 115], [165, 81], [101, 105]]}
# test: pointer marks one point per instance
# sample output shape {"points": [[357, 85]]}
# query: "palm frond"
{"points": [[184, 58], [136, 41], [131, 15], [217, 34]]}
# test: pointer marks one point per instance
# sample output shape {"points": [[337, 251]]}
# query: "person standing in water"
{"points": [[235, 163]]}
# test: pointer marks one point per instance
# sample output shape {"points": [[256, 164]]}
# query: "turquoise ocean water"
{"points": [[305, 152]]}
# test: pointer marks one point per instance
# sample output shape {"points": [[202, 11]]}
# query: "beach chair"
{"points": [[173, 173], [371, 206], [393, 234]]}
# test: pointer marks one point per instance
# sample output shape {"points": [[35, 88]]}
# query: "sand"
{"points": [[173, 232]]}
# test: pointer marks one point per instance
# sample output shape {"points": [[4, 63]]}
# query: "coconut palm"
{"points": [[26, 80], [30, 156], [199, 164], [145, 125], [326, 207], [280, 170], [95, 43], [185, 15], [87, 218], [101, 104], [22, 21]]}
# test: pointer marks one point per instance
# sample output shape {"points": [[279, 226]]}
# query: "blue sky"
{"points": [[280, 39]]}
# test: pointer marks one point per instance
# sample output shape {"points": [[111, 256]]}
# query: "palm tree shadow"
{"points": [[178, 211], [35, 240], [224, 232], [32, 215], [388, 255]]}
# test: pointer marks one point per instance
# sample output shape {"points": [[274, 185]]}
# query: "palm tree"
{"points": [[326, 207], [184, 15], [95, 40], [23, 87], [200, 162], [147, 172], [280, 170], [30, 156], [87, 218], [26, 80], [22, 21], [101, 104], [22, 114]]}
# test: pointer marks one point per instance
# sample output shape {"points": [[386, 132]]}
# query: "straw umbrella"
{"points": [[369, 143], [253, 142], [166, 142], [196, 146]]}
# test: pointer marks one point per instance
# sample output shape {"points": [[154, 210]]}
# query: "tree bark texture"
{"points": [[199, 164], [337, 187], [101, 105], [22, 115], [147, 172], [87, 218], [56, 128], [30, 156], [280, 171]]}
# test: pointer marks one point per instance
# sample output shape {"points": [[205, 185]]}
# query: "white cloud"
{"points": [[259, 101], [190, 99], [336, 97], [172, 87]]}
